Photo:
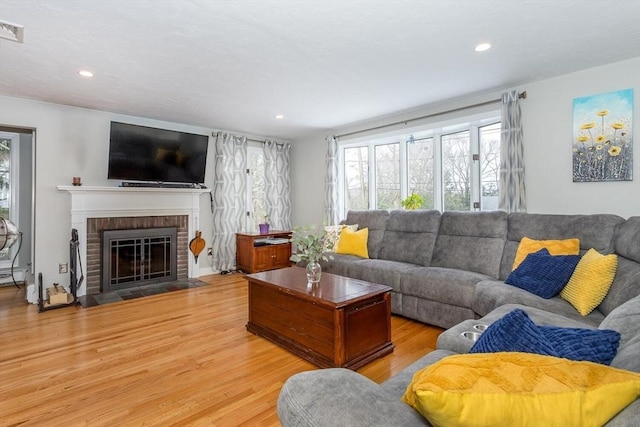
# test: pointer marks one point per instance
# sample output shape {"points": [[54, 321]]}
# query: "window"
{"points": [[489, 166], [456, 171], [356, 178], [453, 168], [387, 176], [420, 170]]}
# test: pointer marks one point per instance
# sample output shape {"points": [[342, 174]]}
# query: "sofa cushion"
{"points": [[353, 242], [554, 247], [590, 281], [520, 389], [490, 294], [410, 236], [543, 274], [594, 231], [380, 271], [375, 221], [627, 239], [471, 241], [340, 264], [444, 285], [625, 286], [626, 320]]}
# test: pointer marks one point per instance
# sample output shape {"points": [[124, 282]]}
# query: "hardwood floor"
{"points": [[180, 358]]}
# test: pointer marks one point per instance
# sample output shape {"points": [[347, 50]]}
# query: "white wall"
{"points": [[75, 142], [547, 126], [547, 123]]}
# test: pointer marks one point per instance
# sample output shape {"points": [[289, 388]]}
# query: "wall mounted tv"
{"points": [[140, 153]]}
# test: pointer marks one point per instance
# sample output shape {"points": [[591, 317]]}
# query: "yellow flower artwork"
{"points": [[599, 121]]}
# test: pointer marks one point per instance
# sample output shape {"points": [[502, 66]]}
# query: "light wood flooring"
{"points": [[180, 358]]}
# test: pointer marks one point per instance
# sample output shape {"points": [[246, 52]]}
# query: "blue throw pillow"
{"points": [[543, 274], [594, 345], [515, 331]]}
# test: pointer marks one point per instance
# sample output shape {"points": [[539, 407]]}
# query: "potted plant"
{"points": [[264, 226], [311, 245], [414, 201]]}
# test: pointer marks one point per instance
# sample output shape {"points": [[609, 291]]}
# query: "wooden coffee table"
{"points": [[339, 322]]}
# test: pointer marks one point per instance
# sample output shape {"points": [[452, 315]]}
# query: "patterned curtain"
{"points": [[229, 189], [512, 194], [277, 166], [331, 183]]}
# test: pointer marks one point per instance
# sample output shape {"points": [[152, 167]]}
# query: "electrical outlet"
{"points": [[210, 251], [63, 267]]}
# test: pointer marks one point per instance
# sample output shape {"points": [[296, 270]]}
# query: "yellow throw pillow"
{"points": [[353, 242], [590, 281], [519, 389], [333, 233], [555, 247]]}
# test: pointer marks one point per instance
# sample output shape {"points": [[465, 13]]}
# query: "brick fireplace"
{"points": [[95, 209], [95, 227]]}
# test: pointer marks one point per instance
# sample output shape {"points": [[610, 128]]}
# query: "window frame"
{"points": [[473, 124]]}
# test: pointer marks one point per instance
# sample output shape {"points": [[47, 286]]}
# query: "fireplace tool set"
{"points": [[57, 296]]}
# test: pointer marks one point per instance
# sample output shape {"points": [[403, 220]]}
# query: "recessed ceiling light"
{"points": [[482, 47], [280, 117], [85, 73]]}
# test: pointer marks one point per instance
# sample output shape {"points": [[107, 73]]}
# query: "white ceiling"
{"points": [[234, 65]]}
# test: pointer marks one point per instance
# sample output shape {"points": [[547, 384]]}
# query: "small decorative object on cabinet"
{"points": [[260, 252], [264, 226]]}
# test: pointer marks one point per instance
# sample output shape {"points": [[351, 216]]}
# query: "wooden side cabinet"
{"points": [[259, 252]]}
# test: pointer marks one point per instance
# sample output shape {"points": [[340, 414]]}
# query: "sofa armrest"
{"points": [[340, 397]]}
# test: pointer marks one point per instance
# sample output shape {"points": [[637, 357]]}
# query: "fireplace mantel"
{"points": [[106, 202]]}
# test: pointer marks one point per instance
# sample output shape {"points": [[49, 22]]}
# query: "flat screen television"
{"points": [[146, 154]]}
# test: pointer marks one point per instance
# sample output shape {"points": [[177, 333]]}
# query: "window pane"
{"points": [[388, 176], [456, 172], [356, 178], [420, 170], [5, 188], [489, 166]]}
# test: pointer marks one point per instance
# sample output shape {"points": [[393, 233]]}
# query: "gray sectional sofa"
{"points": [[449, 267], [448, 270]]}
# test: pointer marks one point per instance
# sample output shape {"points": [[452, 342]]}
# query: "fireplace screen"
{"points": [[136, 257]]}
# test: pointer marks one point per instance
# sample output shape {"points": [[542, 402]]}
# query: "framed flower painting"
{"points": [[602, 137]]}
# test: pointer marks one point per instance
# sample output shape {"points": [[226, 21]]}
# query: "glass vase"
{"points": [[314, 271]]}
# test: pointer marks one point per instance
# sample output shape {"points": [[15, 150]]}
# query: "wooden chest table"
{"points": [[339, 322]]}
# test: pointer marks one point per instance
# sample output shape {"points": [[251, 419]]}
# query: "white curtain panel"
{"points": [[512, 191], [229, 189], [331, 183], [277, 167]]}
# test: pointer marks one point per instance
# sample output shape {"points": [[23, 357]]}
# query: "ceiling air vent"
{"points": [[13, 32]]}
